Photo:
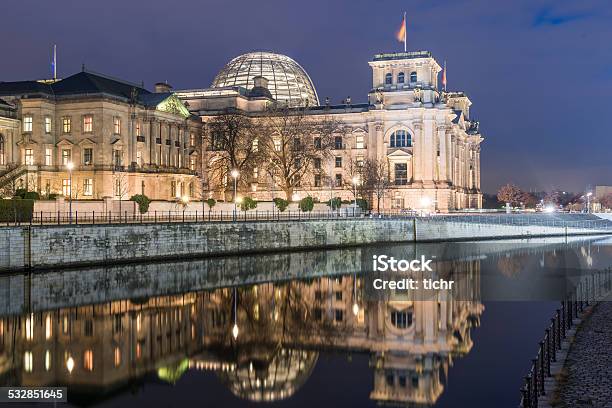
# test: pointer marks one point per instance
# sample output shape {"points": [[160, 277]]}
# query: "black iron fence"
{"points": [[590, 288]]}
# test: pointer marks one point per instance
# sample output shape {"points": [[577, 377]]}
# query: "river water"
{"points": [[296, 329]]}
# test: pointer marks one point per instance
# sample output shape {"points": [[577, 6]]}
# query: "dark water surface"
{"points": [[301, 329]]}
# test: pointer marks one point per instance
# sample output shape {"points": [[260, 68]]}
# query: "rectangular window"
{"points": [[66, 156], [48, 156], [47, 125], [338, 161], [192, 163], [27, 123], [317, 163], [338, 180], [88, 156], [139, 158], [191, 189], [88, 187], [88, 124], [88, 328], [118, 187], [255, 145], [117, 358], [138, 131], [359, 143], [116, 126], [277, 145], [173, 188], [338, 142], [117, 158], [339, 315], [66, 187], [88, 363], [192, 140], [66, 125], [317, 180], [29, 157], [317, 142], [27, 361], [401, 174]]}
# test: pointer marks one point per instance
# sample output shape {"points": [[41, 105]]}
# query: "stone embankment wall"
{"points": [[48, 246]]}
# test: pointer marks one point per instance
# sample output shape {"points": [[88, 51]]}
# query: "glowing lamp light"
{"points": [[70, 166], [185, 199], [235, 173], [355, 309], [425, 202], [355, 180], [70, 364], [238, 200], [549, 209], [235, 331], [295, 197]]}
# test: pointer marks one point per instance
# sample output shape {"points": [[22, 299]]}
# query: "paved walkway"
{"points": [[589, 362]]}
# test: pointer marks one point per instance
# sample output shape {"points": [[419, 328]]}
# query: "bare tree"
{"points": [[120, 186], [376, 179], [234, 138], [510, 194], [294, 141]]}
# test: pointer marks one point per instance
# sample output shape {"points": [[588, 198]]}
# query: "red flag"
{"points": [[444, 76], [401, 33]]}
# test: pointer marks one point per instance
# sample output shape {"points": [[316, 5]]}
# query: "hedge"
{"points": [[16, 209]]}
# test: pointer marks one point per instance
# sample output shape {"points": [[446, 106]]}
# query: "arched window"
{"points": [[401, 319], [400, 138], [413, 77], [2, 161], [400, 78], [388, 79]]}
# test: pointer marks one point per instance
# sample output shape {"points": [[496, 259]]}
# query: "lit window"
{"points": [[400, 78], [117, 356], [388, 79], [47, 360], [2, 150], [138, 131], [29, 328], [400, 138], [88, 363], [47, 124], [48, 328], [88, 187], [66, 125], [413, 77], [88, 124], [48, 156], [192, 139], [139, 157], [255, 145], [66, 156], [29, 157], [277, 145], [88, 156], [27, 123], [359, 142], [66, 187], [192, 163], [27, 361], [116, 126]]}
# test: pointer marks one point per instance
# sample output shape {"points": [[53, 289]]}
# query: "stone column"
{"points": [[132, 138], [443, 153], [418, 151], [153, 128], [428, 152], [378, 140]]}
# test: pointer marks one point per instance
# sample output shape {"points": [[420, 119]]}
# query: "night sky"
{"points": [[537, 71]]}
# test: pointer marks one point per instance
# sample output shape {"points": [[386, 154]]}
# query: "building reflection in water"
{"points": [[282, 327]]}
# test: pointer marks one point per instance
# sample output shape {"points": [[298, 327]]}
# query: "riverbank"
{"points": [[65, 245]]}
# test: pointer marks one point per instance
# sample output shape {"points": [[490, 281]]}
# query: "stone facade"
{"points": [[426, 137], [120, 139]]}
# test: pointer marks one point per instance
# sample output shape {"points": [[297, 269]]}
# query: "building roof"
{"points": [[402, 55], [82, 83]]}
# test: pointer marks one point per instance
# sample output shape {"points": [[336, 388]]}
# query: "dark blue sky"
{"points": [[538, 72]]}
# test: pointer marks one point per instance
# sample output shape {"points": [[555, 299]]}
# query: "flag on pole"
{"points": [[401, 33], [54, 62], [444, 76]]}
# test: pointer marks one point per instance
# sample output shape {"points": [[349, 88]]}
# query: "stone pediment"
{"points": [[173, 104], [86, 141], [64, 142], [399, 152], [117, 142]]}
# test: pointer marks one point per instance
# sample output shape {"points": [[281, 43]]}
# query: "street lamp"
{"points": [[235, 173], [70, 167]]}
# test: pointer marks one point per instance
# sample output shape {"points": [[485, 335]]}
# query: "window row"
{"points": [[401, 78]]}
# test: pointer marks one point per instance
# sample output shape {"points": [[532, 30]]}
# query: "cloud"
{"points": [[547, 16]]}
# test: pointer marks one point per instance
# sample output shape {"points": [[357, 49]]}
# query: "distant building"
{"points": [[121, 139], [601, 191], [426, 137]]}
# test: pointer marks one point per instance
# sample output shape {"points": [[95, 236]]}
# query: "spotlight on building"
{"points": [[235, 331], [549, 208], [70, 364], [355, 309], [238, 200], [185, 199], [295, 197], [425, 202]]}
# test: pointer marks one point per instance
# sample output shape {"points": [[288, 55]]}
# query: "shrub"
{"points": [[334, 203], [143, 202], [16, 210], [211, 203], [281, 204], [31, 195], [248, 204], [52, 196], [306, 204], [363, 204]]}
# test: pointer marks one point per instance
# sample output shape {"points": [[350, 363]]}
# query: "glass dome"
{"points": [[287, 80]]}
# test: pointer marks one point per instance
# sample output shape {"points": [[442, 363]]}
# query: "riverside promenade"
{"points": [[42, 246], [587, 375]]}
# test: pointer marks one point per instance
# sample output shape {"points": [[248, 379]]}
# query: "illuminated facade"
{"points": [[96, 349], [425, 137], [120, 138]]}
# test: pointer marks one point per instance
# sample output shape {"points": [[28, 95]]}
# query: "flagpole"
{"points": [[54, 61], [445, 76], [405, 32]]}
